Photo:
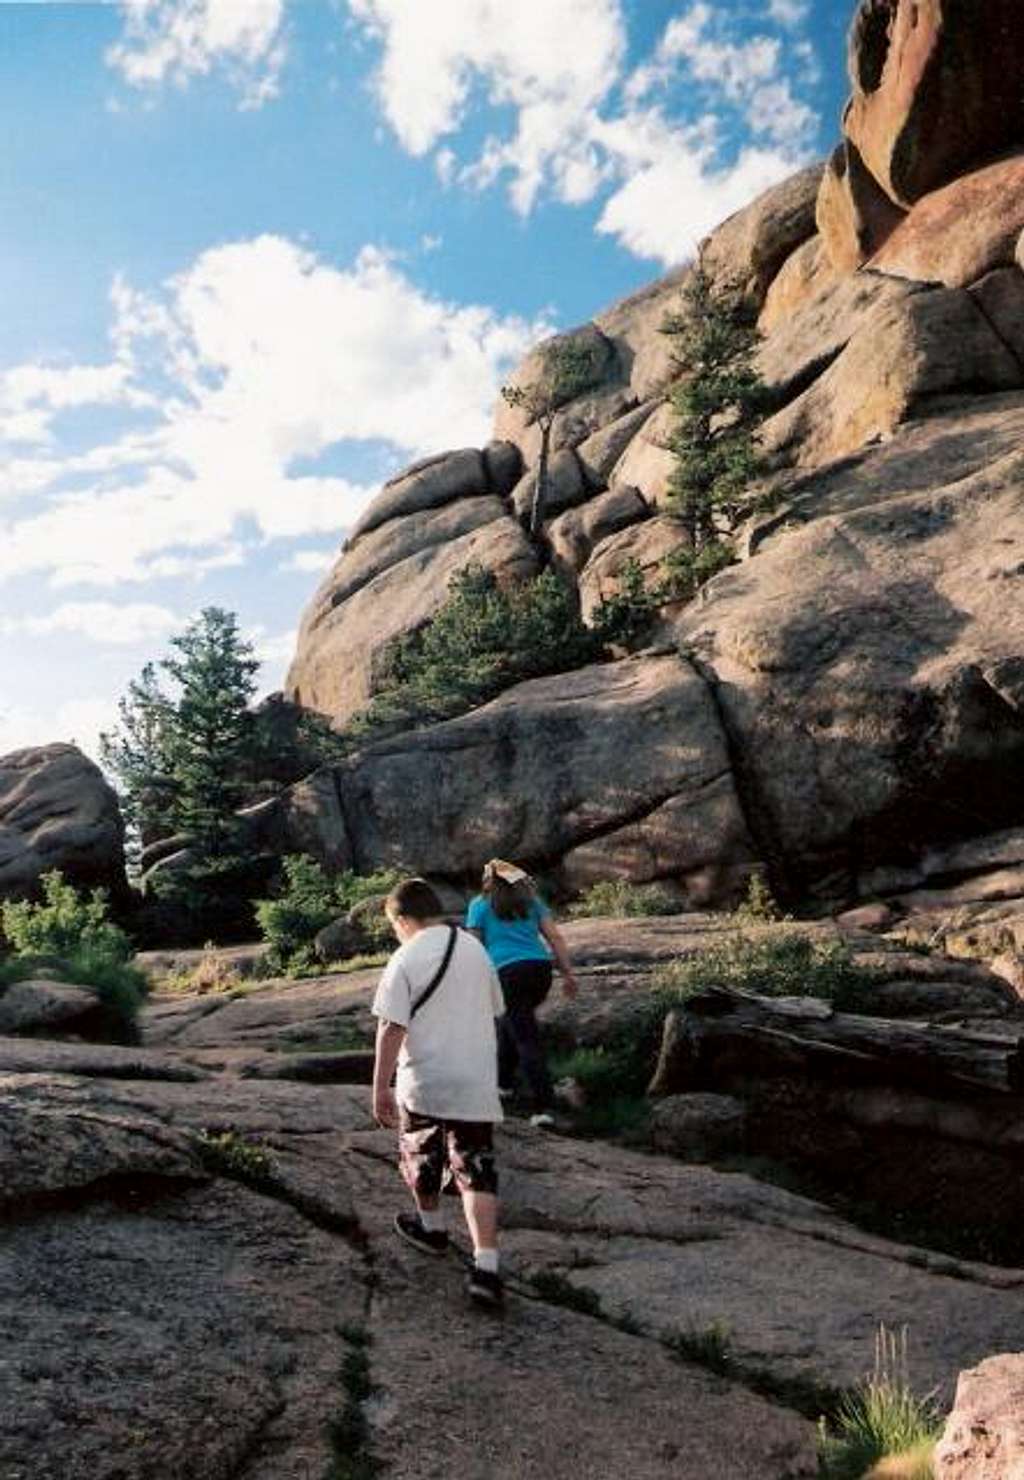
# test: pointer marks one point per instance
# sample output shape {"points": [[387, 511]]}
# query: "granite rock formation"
{"points": [[860, 671]]}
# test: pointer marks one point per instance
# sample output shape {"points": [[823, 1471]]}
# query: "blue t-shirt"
{"points": [[509, 940]]}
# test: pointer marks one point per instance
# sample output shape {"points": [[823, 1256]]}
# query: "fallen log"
{"points": [[724, 1030]]}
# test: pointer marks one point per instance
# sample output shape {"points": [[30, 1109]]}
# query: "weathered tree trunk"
{"points": [[727, 1032], [540, 488]]}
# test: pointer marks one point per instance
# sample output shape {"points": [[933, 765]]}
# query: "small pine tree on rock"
{"points": [[568, 369], [719, 403]]}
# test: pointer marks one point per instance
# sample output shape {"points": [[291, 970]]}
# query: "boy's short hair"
{"points": [[413, 899]]}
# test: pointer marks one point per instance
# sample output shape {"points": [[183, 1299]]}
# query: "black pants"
{"points": [[524, 985]]}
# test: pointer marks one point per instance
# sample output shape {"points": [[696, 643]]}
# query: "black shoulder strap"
{"points": [[438, 976]]}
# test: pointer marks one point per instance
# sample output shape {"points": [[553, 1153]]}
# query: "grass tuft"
{"points": [[704, 1346], [881, 1419], [230, 1154]]}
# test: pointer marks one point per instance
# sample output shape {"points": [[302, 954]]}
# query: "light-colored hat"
{"points": [[509, 873]]}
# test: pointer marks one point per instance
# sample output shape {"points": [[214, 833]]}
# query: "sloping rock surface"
{"points": [[174, 1309]]}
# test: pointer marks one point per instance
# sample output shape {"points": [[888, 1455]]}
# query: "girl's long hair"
{"points": [[509, 901]]}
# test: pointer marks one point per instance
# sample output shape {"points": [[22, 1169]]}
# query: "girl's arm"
{"points": [[556, 940]]}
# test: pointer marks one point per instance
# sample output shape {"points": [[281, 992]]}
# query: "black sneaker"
{"points": [[485, 1288], [427, 1240]]}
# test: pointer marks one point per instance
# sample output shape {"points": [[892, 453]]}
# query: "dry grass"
{"points": [[914, 1464], [211, 974]]}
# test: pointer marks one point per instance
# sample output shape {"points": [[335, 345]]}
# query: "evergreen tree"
{"points": [[719, 403], [568, 368], [138, 755], [212, 729]]}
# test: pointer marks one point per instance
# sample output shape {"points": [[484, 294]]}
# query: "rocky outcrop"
{"points": [[863, 661], [958, 234], [57, 812], [936, 89], [854, 672], [854, 214], [355, 613], [984, 1435], [553, 751]]}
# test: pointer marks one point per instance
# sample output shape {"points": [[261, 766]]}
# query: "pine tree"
{"points": [[212, 729], [138, 754], [719, 403], [568, 369]]}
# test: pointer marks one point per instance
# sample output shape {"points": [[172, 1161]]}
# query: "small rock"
{"points": [[866, 917], [29, 1006]]}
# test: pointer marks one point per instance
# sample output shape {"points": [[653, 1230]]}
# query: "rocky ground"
{"points": [[245, 1311]]}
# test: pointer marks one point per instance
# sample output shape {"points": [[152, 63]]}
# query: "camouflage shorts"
{"points": [[454, 1154]]}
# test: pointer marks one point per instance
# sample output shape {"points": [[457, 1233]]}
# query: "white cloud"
{"points": [[32, 395], [177, 40], [748, 74], [789, 13], [581, 127], [552, 61], [98, 621], [258, 357], [309, 562], [670, 165]]}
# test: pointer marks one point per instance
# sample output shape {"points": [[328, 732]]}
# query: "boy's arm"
{"points": [[390, 1037]]}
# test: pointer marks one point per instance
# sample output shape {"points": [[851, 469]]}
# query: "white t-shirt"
{"points": [[448, 1064]]}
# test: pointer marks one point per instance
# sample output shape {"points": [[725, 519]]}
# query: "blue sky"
{"points": [[258, 254]]}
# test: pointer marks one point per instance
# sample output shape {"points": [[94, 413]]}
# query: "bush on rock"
{"points": [[68, 936]]}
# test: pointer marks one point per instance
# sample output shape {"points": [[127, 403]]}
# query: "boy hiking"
{"points": [[436, 1005]]}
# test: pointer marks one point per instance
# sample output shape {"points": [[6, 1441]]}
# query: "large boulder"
{"points": [[336, 665], [858, 666], [57, 812], [957, 234], [648, 461], [904, 351], [936, 89], [746, 252], [854, 214], [645, 545], [426, 485], [984, 1435], [574, 535], [560, 766], [806, 342]]}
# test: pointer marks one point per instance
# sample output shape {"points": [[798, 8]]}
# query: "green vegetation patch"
{"points": [[69, 937], [619, 899], [309, 900], [881, 1418]]}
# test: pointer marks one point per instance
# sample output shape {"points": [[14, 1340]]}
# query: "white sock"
{"points": [[487, 1259], [432, 1222]]}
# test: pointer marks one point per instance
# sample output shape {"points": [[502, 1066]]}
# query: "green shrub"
{"points": [[786, 964], [309, 901], [758, 906], [64, 923], [882, 1417], [618, 899], [483, 639], [68, 937]]}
